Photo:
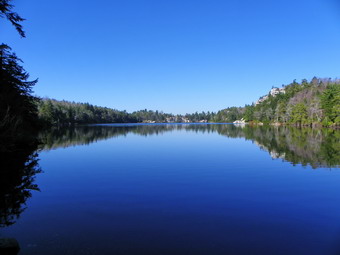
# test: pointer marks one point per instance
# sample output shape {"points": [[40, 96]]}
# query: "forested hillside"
{"points": [[305, 103], [54, 112]]}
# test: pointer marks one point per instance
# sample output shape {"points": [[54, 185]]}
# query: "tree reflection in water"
{"points": [[19, 166], [17, 176], [317, 147]]}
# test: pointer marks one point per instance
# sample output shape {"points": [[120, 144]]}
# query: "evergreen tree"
{"points": [[299, 114], [330, 103], [13, 17], [18, 111]]}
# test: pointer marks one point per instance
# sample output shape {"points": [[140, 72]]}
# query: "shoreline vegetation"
{"points": [[315, 104]]}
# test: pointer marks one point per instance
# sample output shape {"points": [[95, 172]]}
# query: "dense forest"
{"points": [[54, 112], [305, 103]]}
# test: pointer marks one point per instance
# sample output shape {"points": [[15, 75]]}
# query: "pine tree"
{"points": [[299, 114], [13, 17], [18, 111]]}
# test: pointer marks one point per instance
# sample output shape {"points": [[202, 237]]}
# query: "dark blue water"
{"points": [[183, 190]]}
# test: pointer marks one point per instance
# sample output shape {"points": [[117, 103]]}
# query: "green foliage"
{"points": [[53, 112], [229, 114], [305, 103], [299, 114], [249, 113], [61, 113], [330, 103], [202, 116]]}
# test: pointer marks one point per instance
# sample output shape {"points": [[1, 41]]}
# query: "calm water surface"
{"points": [[178, 189]]}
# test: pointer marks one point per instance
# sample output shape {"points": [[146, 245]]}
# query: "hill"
{"points": [[304, 104]]}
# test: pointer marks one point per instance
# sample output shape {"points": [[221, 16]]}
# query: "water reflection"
{"points": [[19, 167], [306, 146], [120, 204]]}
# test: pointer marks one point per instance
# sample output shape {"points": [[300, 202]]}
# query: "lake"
{"points": [[175, 189]]}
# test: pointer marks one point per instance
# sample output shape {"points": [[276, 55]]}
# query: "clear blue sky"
{"points": [[174, 55]]}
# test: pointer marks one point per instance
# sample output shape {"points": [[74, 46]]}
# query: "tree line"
{"points": [[63, 113], [304, 103]]}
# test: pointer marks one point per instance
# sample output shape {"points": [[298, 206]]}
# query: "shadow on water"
{"points": [[306, 146], [19, 166]]}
